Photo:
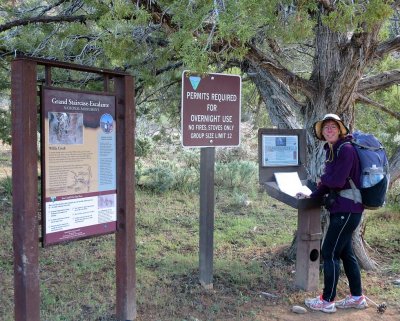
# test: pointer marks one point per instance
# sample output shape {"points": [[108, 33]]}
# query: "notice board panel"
{"points": [[211, 110], [78, 141]]}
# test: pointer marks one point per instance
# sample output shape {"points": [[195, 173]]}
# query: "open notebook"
{"points": [[290, 184]]}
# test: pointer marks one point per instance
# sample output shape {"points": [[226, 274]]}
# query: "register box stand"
{"points": [[284, 151]]}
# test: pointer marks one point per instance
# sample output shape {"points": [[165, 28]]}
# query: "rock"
{"points": [[268, 295], [298, 309], [396, 282]]}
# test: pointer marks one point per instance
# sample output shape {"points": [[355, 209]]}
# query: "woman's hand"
{"points": [[301, 196]]}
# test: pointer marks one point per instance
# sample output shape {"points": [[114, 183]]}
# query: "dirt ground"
{"points": [[370, 314]]}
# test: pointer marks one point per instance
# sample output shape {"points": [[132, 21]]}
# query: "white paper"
{"points": [[290, 183]]}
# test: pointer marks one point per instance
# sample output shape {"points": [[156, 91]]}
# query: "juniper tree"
{"points": [[306, 58]]}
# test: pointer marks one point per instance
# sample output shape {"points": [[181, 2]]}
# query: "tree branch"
{"points": [[41, 19], [378, 82], [158, 15], [52, 6], [387, 47], [327, 5], [281, 104], [365, 99], [254, 55], [295, 82]]}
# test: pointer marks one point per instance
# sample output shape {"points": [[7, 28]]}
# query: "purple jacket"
{"points": [[338, 168]]}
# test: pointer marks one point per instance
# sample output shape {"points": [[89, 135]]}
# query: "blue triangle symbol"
{"points": [[195, 81]]}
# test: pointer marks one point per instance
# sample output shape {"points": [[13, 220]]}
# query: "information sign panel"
{"points": [[280, 150], [78, 165], [211, 108]]}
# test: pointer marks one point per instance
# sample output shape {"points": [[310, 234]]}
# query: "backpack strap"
{"points": [[367, 147], [353, 193], [340, 146]]}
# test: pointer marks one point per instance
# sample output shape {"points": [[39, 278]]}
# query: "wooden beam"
{"points": [[125, 236], [25, 191]]}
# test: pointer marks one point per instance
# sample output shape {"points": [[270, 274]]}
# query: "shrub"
{"points": [[143, 146], [159, 178], [5, 126], [6, 186], [236, 175], [187, 180]]}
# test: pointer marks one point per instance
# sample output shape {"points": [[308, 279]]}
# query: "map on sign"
{"points": [[211, 109]]}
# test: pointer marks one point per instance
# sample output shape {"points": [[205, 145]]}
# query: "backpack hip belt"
{"points": [[353, 194]]}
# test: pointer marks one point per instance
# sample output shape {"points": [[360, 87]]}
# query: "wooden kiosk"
{"points": [[24, 93], [284, 151]]}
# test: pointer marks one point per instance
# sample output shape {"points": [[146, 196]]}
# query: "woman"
{"points": [[342, 172]]}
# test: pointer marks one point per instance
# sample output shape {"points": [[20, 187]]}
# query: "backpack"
{"points": [[374, 169]]}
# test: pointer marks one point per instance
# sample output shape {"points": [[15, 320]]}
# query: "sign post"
{"points": [[24, 191], [211, 110]]}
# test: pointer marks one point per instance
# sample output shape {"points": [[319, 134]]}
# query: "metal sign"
{"points": [[79, 169], [211, 110]]}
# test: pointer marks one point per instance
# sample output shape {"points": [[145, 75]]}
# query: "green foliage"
{"points": [[358, 16], [143, 146], [343, 18], [166, 175], [6, 187], [5, 126], [386, 129], [383, 230], [160, 178], [376, 12], [374, 120], [236, 174]]}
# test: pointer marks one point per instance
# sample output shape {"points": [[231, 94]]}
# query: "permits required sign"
{"points": [[79, 174], [211, 110]]}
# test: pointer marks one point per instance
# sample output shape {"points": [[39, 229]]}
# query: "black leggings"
{"points": [[338, 245]]}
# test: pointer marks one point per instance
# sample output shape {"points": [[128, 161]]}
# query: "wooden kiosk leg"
{"points": [[308, 248]]}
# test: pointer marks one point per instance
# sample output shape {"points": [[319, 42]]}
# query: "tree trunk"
{"points": [[337, 69], [394, 166], [359, 246]]}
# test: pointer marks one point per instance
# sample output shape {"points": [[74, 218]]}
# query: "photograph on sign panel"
{"points": [[65, 128], [106, 123]]}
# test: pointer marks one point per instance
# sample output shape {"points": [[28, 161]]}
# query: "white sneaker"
{"points": [[349, 302], [319, 304]]}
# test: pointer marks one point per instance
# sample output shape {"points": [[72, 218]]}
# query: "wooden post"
{"points": [[206, 242], [125, 236], [308, 248], [25, 191]]}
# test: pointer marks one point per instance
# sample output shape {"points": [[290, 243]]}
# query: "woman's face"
{"points": [[330, 131]]}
